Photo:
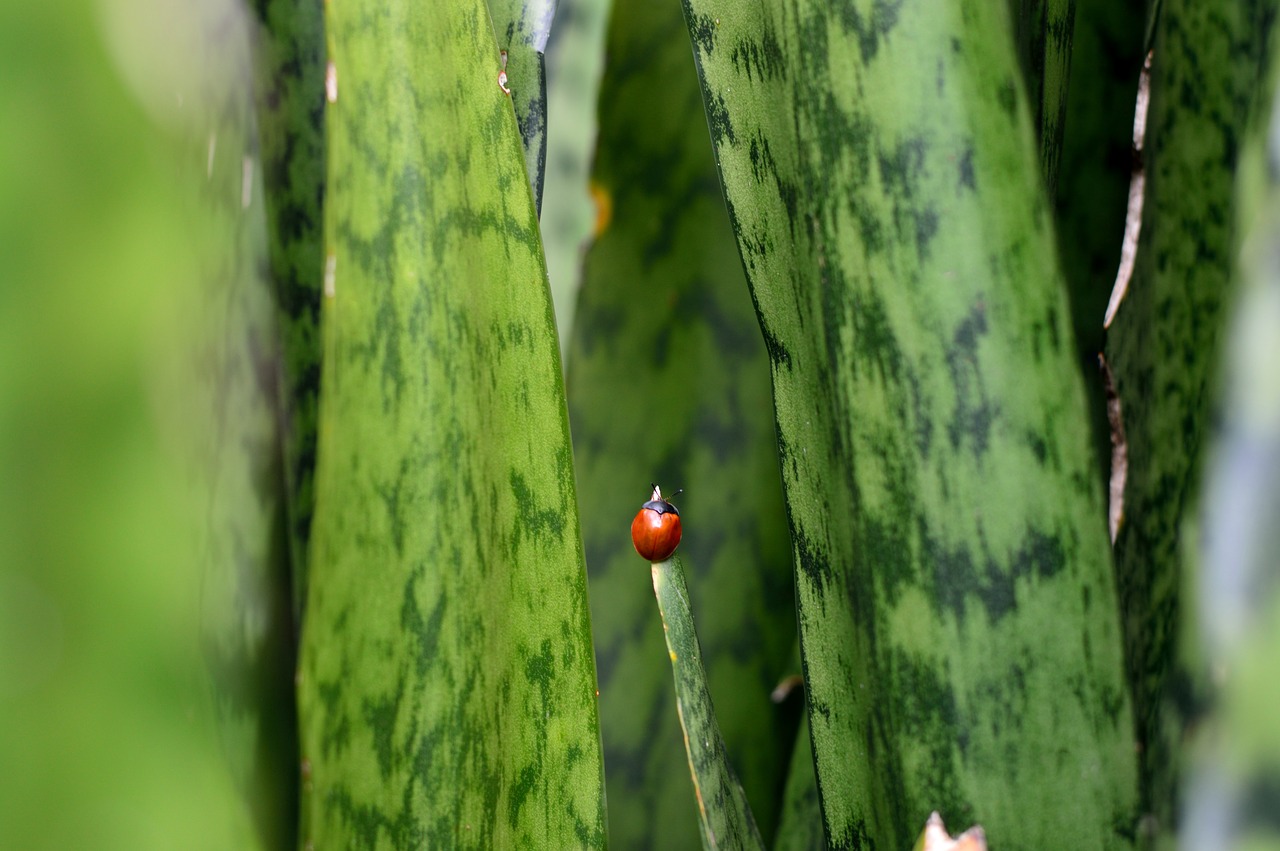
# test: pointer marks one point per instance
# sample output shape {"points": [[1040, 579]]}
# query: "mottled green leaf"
{"points": [[1234, 789], [575, 56], [1043, 31], [800, 820], [1097, 162], [108, 733], [723, 812], [1163, 350], [668, 381], [523, 27], [447, 693], [290, 64], [247, 613], [957, 610]]}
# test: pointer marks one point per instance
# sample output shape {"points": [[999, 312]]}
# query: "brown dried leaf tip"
{"points": [[936, 838]]}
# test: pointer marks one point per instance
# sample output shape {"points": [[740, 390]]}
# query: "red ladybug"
{"points": [[656, 530]]}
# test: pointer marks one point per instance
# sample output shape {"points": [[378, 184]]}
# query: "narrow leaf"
{"points": [[1232, 791], [290, 62], [1163, 348], [523, 27], [575, 56], [668, 381], [448, 689], [723, 811], [1043, 32], [957, 609], [800, 822], [249, 633]]}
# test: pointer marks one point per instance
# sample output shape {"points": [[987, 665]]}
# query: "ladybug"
{"points": [[656, 530]]}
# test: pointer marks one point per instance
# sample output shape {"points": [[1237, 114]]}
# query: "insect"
{"points": [[656, 530]]}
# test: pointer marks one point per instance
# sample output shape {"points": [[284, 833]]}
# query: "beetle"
{"points": [[655, 532]]}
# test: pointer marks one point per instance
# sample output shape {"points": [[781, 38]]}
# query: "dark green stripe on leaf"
{"points": [[447, 683], [957, 611]]}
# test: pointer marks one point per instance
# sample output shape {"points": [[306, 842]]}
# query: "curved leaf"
{"points": [[957, 610], [1232, 792], [668, 381], [523, 27], [447, 693], [290, 60], [723, 811], [1043, 31], [1163, 349], [575, 56]]}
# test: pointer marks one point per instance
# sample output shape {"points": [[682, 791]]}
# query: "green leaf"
{"points": [[1097, 162], [575, 56], [247, 610], [108, 728], [523, 27], [290, 64], [1232, 789], [668, 382], [447, 693], [800, 822], [1163, 349], [1043, 31], [957, 609], [723, 812]]}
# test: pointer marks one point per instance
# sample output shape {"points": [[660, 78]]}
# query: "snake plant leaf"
{"points": [[1232, 791], [108, 729], [800, 821], [957, 610], [1097, 162], [447, 687], [1163, 349], [575, 58], [523, 27], [247, 614], [1043, 30], [668, 382], [723, 812], [289, 95]]}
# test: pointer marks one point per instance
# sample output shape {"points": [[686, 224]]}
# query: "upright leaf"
{"points": [[668, 381], [575, 56], [249, 633], [1043, 31], [1096, 164], [523, 27], [108, 736], [1234, 789], [290, 65], [957, 611], [447, 691], [1163, 350], [723, 812]]}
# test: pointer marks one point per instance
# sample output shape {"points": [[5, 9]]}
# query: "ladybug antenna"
{"points": [[676, 494]]}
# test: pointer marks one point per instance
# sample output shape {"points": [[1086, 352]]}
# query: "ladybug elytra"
{"points": [[655, 532]]}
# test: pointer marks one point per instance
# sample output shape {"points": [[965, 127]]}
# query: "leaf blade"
{"points": [[448, 687]]}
